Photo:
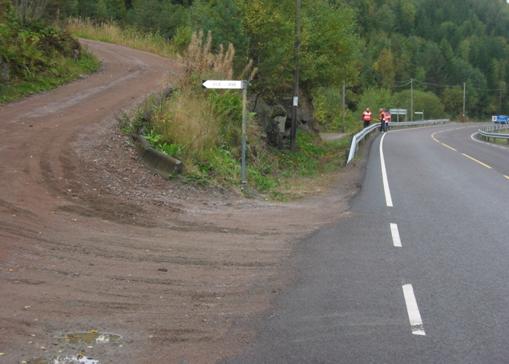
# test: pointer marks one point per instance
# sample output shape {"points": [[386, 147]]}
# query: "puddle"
{"points": [[74, 359], [91, 337], [79, 359], [35, 361]]}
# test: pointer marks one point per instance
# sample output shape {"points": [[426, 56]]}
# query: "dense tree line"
{"points": [[368, 44]]}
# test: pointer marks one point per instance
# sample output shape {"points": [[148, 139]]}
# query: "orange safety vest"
{"points": [[366, 116]]}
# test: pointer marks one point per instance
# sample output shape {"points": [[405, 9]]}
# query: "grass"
{"points": [[278, 174], [64, 71], [129, 37], [202, 128]]}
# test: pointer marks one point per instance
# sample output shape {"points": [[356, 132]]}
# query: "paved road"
{"points": [[442, 297]]}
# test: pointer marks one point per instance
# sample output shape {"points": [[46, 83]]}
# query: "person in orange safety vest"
{"points": [[366, 117]]}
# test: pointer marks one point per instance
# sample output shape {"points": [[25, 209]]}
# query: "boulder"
{"points": [[275, 119]]}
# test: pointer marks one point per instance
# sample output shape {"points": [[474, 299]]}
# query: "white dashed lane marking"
{"points": [[396, 240], [414, 316]]}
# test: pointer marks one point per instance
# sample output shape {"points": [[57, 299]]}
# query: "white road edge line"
{"points": [[414, 315], [387, 191], [396, 240], [472, 136]]}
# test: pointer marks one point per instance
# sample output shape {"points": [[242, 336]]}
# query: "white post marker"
{"points": [[414, 315], [235, 85]]}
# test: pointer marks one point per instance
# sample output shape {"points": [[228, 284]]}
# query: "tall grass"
{"points": [[199, 120], [126, 36], [189, 120], [203, 128]]}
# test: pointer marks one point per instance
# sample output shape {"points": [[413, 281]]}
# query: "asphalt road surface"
{"points": [[417, 273]]}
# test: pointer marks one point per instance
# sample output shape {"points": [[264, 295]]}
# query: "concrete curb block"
{"points": [[161, 163]]}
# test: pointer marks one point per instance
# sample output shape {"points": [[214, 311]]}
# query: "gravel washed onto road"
{"points": [[93, 244]]}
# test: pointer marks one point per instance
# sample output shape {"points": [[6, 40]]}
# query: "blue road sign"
{"points": [[500, 119]]}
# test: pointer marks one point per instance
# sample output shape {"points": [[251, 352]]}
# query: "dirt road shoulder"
{"points": [[89, 240]]}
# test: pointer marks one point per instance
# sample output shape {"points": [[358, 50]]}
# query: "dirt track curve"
{"points": [[91, 240]]}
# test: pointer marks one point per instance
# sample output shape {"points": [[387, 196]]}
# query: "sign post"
{"points": [[235, 85], [420, 113], [398, 112]]}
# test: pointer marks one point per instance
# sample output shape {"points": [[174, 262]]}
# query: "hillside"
{"points": [[36, 56], [421, 55], [368, 44]]}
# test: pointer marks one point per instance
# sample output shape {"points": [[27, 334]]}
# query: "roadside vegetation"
{"points": [[424, 54], [203, 129], [370, 45], [35, 56], [126, 36]]}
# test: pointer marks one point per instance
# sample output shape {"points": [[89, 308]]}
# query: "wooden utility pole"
{"points": [[411, 99], [295, 100], [464, 100], [343, 107]]}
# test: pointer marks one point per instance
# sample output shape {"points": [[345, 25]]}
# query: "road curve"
{"points": [[421, 281], [37, 131], [47, 204]]}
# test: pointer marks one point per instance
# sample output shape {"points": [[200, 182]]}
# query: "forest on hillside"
{"points": [[429, 56], [378, 48], [375, 46]]}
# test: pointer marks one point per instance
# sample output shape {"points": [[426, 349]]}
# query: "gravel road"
{"points": [[92, 242]]}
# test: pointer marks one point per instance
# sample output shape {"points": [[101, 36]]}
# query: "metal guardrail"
{"points": [[357, 138], [493, 131]]}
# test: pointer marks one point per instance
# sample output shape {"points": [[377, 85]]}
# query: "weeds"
{"points": [[128, 36], [203, 129], [62, 71]]}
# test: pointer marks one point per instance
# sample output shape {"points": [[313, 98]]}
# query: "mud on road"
{"points": [[93, 244]]}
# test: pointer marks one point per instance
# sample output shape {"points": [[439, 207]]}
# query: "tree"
{"points": [[270, 30], [452, 98], [375, 99], [424, 101], [385, 68], [158, 16], [329, 46], [224, 20]]}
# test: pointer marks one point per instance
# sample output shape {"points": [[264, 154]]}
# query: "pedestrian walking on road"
{"points": [[366, 117]]}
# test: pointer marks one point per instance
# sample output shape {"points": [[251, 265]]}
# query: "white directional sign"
{"points": [[223, 84], [398, 111]]}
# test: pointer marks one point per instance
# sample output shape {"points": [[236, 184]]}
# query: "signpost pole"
{"points": [[243, 171]]}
